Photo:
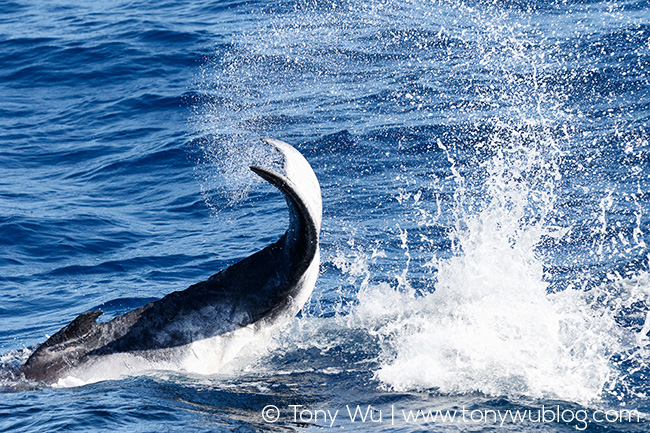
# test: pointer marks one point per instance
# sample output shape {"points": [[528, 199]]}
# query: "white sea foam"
{"points": [[491, 324]]}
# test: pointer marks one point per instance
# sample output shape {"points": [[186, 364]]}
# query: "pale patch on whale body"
{"points": [[205, 357]]}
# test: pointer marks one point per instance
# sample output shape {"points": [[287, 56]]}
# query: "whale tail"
{"points": [[300, 173], [256, 292]]}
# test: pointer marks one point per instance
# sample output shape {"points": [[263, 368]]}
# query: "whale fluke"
{"points": [[265, 289]]}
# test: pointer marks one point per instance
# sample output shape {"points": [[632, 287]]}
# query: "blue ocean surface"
{"points": [[484, 166]]}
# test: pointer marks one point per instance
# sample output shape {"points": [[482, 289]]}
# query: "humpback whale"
{"points": [[205, 321]]}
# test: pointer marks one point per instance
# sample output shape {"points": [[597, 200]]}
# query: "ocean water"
{"points": [[484, 168]]}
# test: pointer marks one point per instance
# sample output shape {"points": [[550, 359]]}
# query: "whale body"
{"points": [[200, 328]]}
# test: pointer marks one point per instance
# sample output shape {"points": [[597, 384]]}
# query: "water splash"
{"points": [[223, 168], [492, 324]]}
